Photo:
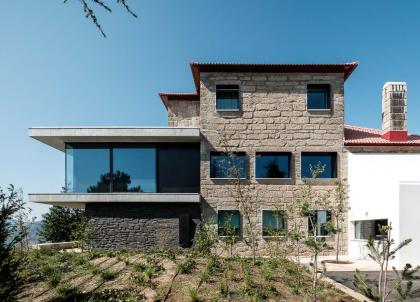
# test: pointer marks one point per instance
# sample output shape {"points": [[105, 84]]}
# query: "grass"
{"points": [[55, 276]]}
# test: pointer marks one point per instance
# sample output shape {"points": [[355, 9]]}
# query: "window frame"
{"points": [[310, 233], [235, 211], [274, 153], [228, 88], [262, 224], [319, 88], [335, 170], [229, 178]]}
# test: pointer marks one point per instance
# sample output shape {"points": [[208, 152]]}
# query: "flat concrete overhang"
{"points": [[78, 200], [56, 137]]}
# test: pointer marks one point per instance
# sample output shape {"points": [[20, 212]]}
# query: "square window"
{"points": [[327, 160], [273, 223], [224, 165], [318, 97], [227, 97], [228, 223], [272, 165], [318, 220]]}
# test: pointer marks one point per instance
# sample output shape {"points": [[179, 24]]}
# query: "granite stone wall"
{"points": [[143, 225], [273, 117], [183, 114]]}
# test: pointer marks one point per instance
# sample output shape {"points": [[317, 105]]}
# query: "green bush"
{"points": [[107, 275], [186, 266], [193, 294]]}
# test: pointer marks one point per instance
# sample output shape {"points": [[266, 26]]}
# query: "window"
{"points": [[227, 97], [318, 97], [224, 165], [327, 161], [272, 165], [273, 223], [319, 219], [228, 222], [88, 169], [369, 229], [116, 167], [134, 169]]}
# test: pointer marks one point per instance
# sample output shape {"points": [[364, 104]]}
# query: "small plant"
{"points": [[138, 279], [193, 294], [224, 289], [66, 290], [139, 267], [404, 283], [54, 279], [95, 270], [266, 269], [107, 275], [204, 276], [186, 266]]}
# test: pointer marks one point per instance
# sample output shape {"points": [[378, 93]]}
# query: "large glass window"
{"points": [[327, 161], [370, 229], [273, 223], [228, 223], [272, 165], [232, 165], [134, 169], [318, 220], [227, 97], [318, 97], [179, 168], [88, 169]]}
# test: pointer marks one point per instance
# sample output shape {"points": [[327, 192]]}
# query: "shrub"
{"points": [[193, 294], [138, 279], [186, 266], [66, 290], [107, 275], [139, 267]]}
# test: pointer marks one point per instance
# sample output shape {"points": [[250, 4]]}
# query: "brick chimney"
{"points": [[394, 111]]}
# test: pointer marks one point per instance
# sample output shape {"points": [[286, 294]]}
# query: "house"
{"points": [[384, 179], [152, 186]]}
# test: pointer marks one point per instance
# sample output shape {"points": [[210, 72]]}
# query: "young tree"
{"points": [[59, 224], [339, 212], [10, 260], [382, 252], [88, 9], [310, 202]]}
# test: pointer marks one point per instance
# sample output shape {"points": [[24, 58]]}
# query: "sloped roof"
{"points": [[361, 136]]}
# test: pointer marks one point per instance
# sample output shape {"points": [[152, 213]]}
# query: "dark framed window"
{"points": [[326, 160], [88, 168], [272, 165], [231, 165], [273, 223], [370, 229], [134, 169], [227, 97], [319, 219], [117, 167], [318, 96], [228, 223]]}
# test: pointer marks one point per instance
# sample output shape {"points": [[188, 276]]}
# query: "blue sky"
{"points": [[57, 70]]}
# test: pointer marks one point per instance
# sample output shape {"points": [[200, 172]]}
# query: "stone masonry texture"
{"points": [[183, 114], [129, 225], [273, 117]]}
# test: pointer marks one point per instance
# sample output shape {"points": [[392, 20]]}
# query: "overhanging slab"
{"points": [[78, 200], [56, 137]]}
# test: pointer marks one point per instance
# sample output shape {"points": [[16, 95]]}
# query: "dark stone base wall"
{"points": [[142, 225]]}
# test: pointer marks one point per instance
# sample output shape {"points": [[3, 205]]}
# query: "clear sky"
{"points": [[57, 70]]}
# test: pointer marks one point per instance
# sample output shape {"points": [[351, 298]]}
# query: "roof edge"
{"points": [[172, 96]]}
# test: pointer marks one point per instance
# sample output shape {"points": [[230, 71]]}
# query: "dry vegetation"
{"points": [[172, 275]]}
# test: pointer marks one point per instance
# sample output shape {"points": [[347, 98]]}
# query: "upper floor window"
{"points": [[319, 165], [318, 220], [227, 97], [228, 223], [224, 165], [273, 223], [272, 165], [318, 97]]}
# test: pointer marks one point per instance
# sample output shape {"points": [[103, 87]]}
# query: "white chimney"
{"points": [[394, 111]]}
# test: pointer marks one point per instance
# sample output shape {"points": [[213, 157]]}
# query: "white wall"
{"points": [[374, 180]]}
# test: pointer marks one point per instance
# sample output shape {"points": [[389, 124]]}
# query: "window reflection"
{"points": [[272, 165], [224, 165], [326, 160]]}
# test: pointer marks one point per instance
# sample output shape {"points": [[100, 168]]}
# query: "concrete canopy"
{"points": [[56, 137]]}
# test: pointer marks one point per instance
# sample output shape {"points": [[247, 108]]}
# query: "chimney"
{"points": [[394, 111]]}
